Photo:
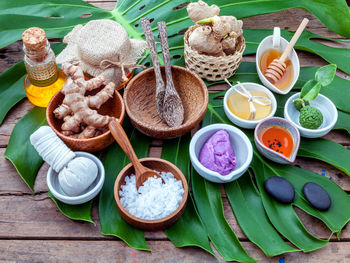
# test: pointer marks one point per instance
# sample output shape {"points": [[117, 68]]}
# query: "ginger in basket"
{"points": [[80, 121], [217, 35]]}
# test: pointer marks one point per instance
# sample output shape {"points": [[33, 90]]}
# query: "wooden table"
{"points": [[33, 230]]}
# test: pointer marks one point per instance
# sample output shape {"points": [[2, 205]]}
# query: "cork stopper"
{"points": [[34, 39]]}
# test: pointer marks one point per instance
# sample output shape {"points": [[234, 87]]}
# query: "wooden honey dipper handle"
{"points": [[294, 40]]}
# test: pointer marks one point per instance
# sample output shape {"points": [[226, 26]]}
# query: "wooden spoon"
{"points": [[173, 110], [160, 86], [142, 173], [277, 67]]}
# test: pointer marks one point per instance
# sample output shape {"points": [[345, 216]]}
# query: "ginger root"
{"points": [[203, 40], [201, 10], [80, 121], [224, 25], [217, 35]]}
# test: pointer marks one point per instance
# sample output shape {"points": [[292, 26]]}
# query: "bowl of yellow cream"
{"points": [[238, 107]]}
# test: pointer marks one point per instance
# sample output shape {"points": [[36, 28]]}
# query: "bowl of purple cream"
{"points": [[220, 153]]}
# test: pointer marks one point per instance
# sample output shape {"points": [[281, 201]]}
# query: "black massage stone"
{"points": [[280, 189], [317, 196]]}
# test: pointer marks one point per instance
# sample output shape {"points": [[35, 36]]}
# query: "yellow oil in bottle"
{"points": [[267, 57], [39, 92], [239, 106]]}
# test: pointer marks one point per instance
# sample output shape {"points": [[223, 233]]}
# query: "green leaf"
{"points": [[325, 74], [310, 90], [293, 229], [209, 203], [328, 151], [20, 151], [110, 219], [176, 152], [337, 215], [248, 209], [11, 88], [343, 122], [56, 17], [338, 91], [74, 212]]}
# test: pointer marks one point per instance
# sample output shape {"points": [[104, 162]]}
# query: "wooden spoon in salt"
{"points": [[173, 110], [142, 173]]}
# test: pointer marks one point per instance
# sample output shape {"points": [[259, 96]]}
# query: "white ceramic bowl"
{"points": [[248, 124], [240, 143], [271, 154], [277, 42], [325, 105], [88, 194]]}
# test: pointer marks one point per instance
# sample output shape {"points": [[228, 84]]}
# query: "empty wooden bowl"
{"points": [[158, 224], [139, 98], [113, 107]]}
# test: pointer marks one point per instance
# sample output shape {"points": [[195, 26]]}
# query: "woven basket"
{"points": [[209, 67]]}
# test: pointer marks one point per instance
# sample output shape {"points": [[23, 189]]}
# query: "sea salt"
{"points": [[154, 199]]}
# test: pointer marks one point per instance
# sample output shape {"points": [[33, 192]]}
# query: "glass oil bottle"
{"points": [[43, 77]]}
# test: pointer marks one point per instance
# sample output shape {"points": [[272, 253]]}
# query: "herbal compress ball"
{"points": [[310, 117]]}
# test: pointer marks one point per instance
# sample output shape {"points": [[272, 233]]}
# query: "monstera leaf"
{"points": [[58, 17]]}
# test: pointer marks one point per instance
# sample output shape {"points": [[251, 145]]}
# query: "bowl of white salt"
{"points": [[159, 202]]}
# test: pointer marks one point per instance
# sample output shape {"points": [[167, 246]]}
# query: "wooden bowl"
{"points": [[139, 98], [161, 166], [113, 107]]}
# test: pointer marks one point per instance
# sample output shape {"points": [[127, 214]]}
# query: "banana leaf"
{"points": [[20, 151], [207, 196], [293, 229], [11, 88], [247, 207], [328, 151], [176, 152], [110, 219], [338, 214], [343, 122], [27, 161], [75, 212]]}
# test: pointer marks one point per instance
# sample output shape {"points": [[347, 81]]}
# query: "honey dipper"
{"points": [[277, 67]]}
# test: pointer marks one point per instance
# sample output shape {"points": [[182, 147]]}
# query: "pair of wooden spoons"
{"points": [[168, 102], [277, 67]]}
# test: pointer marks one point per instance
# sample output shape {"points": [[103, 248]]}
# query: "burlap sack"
{"points": [[102, 47]]}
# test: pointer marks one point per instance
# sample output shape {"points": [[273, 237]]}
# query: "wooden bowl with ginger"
{"points": [[113, 107], [140, 102]]}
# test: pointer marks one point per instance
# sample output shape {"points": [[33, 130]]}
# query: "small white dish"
{"points": [[321, 102], [271, 154], [241, 146], [88, 194], [277, 42], [248, 124]]}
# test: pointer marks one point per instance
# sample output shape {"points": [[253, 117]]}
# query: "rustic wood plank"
{"points": [[26, 215], [162, 252]]}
